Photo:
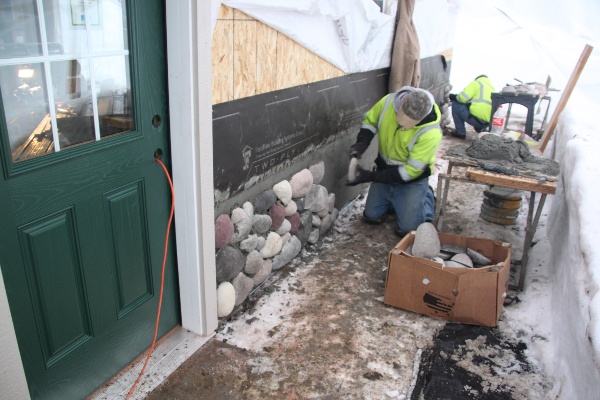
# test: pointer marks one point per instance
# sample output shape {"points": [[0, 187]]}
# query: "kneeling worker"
{"points": [[407, 124], [473, 105]]}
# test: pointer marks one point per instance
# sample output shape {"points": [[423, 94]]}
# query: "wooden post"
{"points": [[565, 95]]}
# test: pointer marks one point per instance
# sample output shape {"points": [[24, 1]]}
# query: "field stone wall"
{"points": [[268, 232]]}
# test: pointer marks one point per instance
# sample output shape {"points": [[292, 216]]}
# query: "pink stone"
{"points": [[223, 231], [277, 213], [294, 222], [301, 183]]}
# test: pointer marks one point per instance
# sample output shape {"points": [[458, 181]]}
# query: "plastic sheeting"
{"points": [[353, 35]]}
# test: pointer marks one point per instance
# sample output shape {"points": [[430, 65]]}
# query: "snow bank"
{"points": [[574, 233], [529, 41]]}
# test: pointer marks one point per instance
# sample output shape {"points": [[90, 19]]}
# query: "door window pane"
{"points": [[77, 87], [19, 29], [113, 94], [26, 110]]}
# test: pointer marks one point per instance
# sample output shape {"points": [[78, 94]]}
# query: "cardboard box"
{"points": [[469, 295]]}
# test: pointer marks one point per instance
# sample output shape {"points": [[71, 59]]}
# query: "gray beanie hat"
{"points": [[412, 105], [416, 104]]}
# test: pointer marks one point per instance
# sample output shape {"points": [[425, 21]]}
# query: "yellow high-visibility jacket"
{"points": [[412, 150], [479, 94]]}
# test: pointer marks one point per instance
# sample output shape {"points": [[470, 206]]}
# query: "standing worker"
{"points": [[407, 123], [473, 105]]}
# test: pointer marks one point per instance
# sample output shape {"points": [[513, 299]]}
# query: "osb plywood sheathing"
{"points": [[251, 58]]}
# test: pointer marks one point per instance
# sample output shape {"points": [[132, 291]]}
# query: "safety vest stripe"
{"points": [[404, 174], [467, 98], [481, 99], [370, 127], [385, 107], [417, 164], [418, 134], [422, 131]]}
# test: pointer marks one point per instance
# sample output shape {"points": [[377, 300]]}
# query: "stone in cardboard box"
{"points": [[472, 296]]}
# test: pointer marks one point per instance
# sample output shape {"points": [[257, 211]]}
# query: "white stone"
{"points": [[283, 190], [225, 299], [291, 208], [238, 214], [249, 208], [272, 245]]}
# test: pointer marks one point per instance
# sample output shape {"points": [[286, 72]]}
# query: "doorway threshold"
{"points": [[170, 352]]}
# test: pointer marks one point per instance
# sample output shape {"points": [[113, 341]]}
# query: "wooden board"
{"points": [[565, 96], [222, 57], [250, 58], [511, 181]]}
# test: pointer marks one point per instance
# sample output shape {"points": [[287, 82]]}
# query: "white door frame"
{"points": [[189, 46]]}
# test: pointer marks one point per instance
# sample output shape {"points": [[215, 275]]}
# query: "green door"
{"points": [[84, 205]]}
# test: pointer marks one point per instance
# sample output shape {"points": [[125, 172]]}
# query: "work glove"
{"points": [[388, 175], [453, 97], [362, 176], [358, 149], [363, 140]]}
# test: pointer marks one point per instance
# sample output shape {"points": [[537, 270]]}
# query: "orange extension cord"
{"points": [[162, 279]]}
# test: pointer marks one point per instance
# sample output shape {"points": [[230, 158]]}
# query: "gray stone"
{"points": [[254, 262], [463, 259], [453, 248], [427, 241], [225, 299], [285, 237], [283, 190], [272, 245], [478, 258], [314, 236], [284, 227], [316, 199], [229, 262], [242, 229], [301, 183], [264, 201], [325, 224], [260, 242], [331, 201], [263, 273], [316, 220], [300, 204], [445, 255], [334, 214], [318, 172], [288, 252], [323, 213], [243, 286], [249, 243], [454, 264], [305, 227], [261, 223]]}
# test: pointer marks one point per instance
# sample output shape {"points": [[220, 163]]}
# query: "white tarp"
{"points": [[353, 35]]}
